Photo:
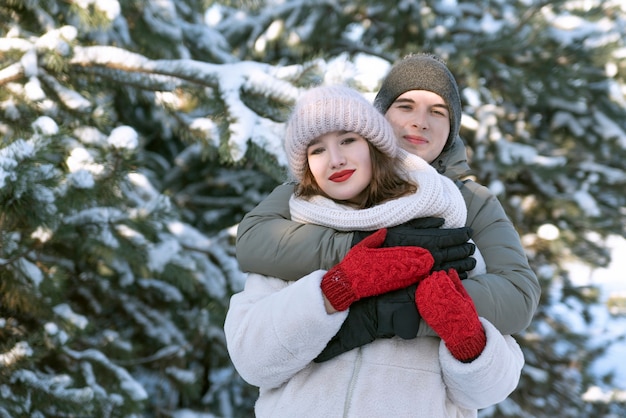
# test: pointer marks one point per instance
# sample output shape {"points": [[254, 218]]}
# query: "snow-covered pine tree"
{"points": [[110, 304], [111, 301], [71, 308]]}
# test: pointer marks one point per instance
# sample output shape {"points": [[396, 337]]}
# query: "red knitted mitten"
{"points": [[444, 304], [368, 270]]}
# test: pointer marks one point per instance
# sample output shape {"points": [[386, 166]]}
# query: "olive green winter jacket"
{"points": [[269, 243]]}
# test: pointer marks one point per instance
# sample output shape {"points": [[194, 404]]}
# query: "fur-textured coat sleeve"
{"points": [[491, 381], [274, 330]]}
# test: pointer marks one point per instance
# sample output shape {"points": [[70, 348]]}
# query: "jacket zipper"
{"points": [[353, 379]]}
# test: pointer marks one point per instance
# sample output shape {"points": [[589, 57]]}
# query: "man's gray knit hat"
{"points": [[327, 109], [422, 72]]}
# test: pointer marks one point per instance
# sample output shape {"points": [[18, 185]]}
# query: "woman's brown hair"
{"points": [[387, 182]]}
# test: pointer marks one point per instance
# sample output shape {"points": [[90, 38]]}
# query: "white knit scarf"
{"points": [[436, 196]]}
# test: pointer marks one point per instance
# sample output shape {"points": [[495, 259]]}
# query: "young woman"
{"points": [[351, 172]]}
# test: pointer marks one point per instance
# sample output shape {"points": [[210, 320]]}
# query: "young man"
{"points": [[420, 98]]}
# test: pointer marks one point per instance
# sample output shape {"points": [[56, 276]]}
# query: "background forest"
{"points": [[135, 134]]}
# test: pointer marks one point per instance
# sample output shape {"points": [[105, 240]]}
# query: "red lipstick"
{"points": [[341, 176]]}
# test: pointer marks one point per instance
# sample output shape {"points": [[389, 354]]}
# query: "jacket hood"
{"points": [[453, 162]]}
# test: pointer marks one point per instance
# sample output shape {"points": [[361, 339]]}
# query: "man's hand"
{"points": [[383, 316], [449, 247]]}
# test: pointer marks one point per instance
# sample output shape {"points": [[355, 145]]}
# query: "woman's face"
{"points": [[341, 165], [421, 123]]}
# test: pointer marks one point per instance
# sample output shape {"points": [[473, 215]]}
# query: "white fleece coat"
{"points": [[274, 329]]}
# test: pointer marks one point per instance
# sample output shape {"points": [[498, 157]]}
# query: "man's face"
{"points": [[421, 122]]}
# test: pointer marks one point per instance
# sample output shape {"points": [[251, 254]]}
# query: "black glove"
{"points": [[383, 316], [449, 247]]}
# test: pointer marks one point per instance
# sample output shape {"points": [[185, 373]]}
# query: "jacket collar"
{"points": [[453, 162]]}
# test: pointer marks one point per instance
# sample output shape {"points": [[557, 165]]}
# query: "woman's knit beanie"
{"points": [[422, 72], [327, 109]]}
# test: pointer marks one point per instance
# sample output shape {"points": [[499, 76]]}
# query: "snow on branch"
{"points": [[608, 129], [55, 385], [11, 73], [19, 351], [265, 24], [18, 44], [156, 324], [611, 175], [133, 388], [70, 98], [207, 39], [162, 18], [230, 81], [98, 215]]}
